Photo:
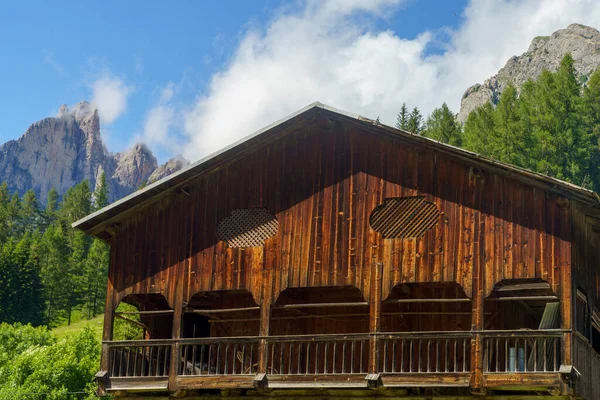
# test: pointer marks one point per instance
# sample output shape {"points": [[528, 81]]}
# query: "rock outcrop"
{"points": [[173, 165], [62, 151], [544, 53]]}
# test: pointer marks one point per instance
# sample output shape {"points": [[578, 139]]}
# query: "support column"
{"points": [[375, 316], [477, 322], [175, 335], [566, 310], [177, 322], [265, 317], [107, 329]]}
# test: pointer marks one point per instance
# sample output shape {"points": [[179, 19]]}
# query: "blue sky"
{"points": [[192, 76]]}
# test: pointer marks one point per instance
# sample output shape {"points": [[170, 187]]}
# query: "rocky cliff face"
{"points": [[173, 165], [545, 52], [64, 150]]}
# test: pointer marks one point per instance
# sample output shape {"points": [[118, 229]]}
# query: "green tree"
{"points": [[443, 126], [402, 118], [415, 122], [54, 257], [77, 203], [101, 193], [96, 272], [479, 128], [32, 215]]}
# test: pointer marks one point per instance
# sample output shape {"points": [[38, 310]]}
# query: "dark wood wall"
{"points": [[586, 254], [321, 181]]}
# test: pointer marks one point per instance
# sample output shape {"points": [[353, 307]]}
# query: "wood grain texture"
{"points": [[322, 185]]}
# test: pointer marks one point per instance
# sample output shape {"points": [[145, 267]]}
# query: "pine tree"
{"points": [[96, 272], [479, 129], [402, 118], [443, 126], [74, 278], [54, 257], [77, 203], [32, 216], [101, 193], [415, 122]]}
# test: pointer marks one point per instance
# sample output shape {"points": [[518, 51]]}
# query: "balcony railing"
{"points": [[428, 352], [400, 357], [318, 355], [218, 356], [140, 359], [521, 351]]}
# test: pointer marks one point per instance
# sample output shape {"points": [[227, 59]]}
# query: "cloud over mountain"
{"points": [[328, 51]]}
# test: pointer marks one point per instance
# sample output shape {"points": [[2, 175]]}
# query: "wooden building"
{"points": [[330, 255]]}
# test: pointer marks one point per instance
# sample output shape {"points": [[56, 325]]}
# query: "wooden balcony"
{"points": [[384, 360]]}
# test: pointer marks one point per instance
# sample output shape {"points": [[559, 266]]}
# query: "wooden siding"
{"points": [[321, 181], [587, 362]]}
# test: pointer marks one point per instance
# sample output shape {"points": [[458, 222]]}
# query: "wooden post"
{"points": [[176, 332], [566, 301], [265, 316], [109, 310], [375, 316], [477, 322]]}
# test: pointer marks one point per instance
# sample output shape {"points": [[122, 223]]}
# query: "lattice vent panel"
{"points": [[247, 227], [404, 217]]}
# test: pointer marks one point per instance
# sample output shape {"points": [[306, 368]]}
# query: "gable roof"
{"points": [[94, 223]]}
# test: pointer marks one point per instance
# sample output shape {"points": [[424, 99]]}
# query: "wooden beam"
{"points": [[223, 310], [322, 305], [428, 301], [525, 298], [131, 321], [153, 312], [375, 315], [478, 285], [265, 314]]}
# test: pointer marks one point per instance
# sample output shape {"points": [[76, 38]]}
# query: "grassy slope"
{"points": [[95, 323]]}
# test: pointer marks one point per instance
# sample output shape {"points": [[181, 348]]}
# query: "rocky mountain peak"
{"points": [[544, 53], [171, 166], [134, 166], [62, 151]]}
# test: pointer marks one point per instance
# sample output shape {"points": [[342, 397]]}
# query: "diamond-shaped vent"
{"points": [[247, 227], [404, 217]]}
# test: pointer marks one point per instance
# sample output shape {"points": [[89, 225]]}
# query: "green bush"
{"points": [[35, 365]]}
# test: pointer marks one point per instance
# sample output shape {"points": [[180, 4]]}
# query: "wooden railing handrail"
{"points": [[343, 336], [525, 333], [140, 342], [440, 352]]}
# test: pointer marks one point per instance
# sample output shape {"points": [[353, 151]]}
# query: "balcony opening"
{"points": [[422, 307], [319, 330], [211, 321], [145, 318], [427, 329], [227, 313], [522, 318]]}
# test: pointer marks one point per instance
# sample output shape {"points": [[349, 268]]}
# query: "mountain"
{"points": [[62, 151], [173, 165], [545, 52]]}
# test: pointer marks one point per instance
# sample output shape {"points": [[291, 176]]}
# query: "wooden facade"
{"points": [[451, 312]]}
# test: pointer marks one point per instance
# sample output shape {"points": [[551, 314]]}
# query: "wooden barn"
{"points": [[328, 255]]}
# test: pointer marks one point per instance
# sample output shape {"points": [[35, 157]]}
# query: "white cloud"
{"points": [[109, 95], [159, 122], [328, 51]]}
